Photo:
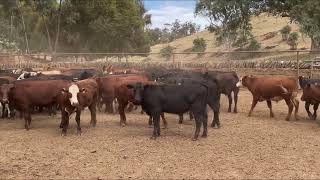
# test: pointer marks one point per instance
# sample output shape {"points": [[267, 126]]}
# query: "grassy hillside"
{"points": [[263, 26]]}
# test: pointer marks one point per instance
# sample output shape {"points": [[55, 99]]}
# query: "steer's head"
{"points": [[4, 92], [244, 81], [138, 89], [73, 93]]}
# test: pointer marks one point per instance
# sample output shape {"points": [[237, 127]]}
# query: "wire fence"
{"points": [[300, 62]]}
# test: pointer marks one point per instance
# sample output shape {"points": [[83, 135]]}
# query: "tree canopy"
{"points": [[77, 26], [230, 20]]}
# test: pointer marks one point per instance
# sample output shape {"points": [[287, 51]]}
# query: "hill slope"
{"points": [[263, 26]]}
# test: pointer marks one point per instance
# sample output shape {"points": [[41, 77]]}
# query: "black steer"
{"points": [[213, 99], [176, 99]]}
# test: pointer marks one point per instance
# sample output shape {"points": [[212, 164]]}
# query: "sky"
{"points": [[166, 11]]}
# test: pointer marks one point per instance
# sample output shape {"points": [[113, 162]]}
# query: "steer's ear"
{"points": [[130, 86], [64, 90]]}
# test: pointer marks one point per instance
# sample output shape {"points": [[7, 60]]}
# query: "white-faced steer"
{"points": [[74, 98], [176, 99]]}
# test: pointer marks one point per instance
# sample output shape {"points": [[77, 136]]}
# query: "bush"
{"points": [[166, 52], [285, 31], [254, 45], [293, 40], [199, 45]]}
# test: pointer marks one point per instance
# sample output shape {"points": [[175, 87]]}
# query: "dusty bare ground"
{"points": [[255, 147]]}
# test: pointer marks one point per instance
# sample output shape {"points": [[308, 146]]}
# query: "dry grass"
{"points": [[262, 25]]}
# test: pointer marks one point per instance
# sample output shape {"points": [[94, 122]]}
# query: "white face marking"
{"points": [[21, 77], [74, 90], [239, 84], [111, 72]]}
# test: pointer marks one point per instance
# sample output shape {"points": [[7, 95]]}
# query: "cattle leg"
{"points": [[121, 109], [156, 126], [270, 107], [190, 115], [235, 96], [78, 114], [27, 120], [198, 119], [230, 102], [315, 108], [3, 110], [93, 112], [253, 105], [290, 106], [180, 118], [150, 122], [205, 125], [216, 111], [296, 108], [64, 122], [307, 106], [165, 124]]}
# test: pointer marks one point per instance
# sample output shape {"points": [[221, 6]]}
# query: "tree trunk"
{"points": [[58, 28], [24, 26], [315, 44], [48, 34]]}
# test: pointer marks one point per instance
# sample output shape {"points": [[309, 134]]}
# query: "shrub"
{"points": [[199, 45], [166, 52], [285, 31], [293, 40], [254, 45]]}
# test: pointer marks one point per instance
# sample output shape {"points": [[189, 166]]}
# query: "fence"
{"points": [[301, 62]]}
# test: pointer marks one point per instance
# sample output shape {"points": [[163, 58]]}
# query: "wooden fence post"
{"points": [[298, 65], [311, 71]]}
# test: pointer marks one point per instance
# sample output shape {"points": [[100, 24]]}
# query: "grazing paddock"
{"points": [[244, 147]]}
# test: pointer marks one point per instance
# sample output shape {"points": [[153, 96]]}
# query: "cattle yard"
{"points": [[244, 147]]}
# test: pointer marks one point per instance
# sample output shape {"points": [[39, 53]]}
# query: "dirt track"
{"points": [[255, 147]]}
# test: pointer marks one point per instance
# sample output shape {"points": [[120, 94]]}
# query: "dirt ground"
{"points": [[244, 147]]}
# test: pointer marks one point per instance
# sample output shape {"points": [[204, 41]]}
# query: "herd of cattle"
{"points": [[156, 90]]}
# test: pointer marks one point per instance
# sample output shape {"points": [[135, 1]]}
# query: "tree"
{"points": [[166, 52], [229, 20], [303, 12], [285, 31], [293, 40], [199, 45]]}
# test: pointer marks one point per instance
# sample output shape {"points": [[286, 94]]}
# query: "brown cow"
{"points": [[108, 84], [311, 94], [74, 98], [272, 89], [124, 95], [24, 95]]}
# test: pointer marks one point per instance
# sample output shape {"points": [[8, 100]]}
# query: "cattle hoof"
{"points": [[287, 119], [204, 135], [235, 111], [63, 134], [122, 125], [79, 133], [153, 137], [194, 139], [164, 127], [180, 122]]}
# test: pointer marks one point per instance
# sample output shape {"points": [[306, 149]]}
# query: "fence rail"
{"points": [[296, 62]]}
